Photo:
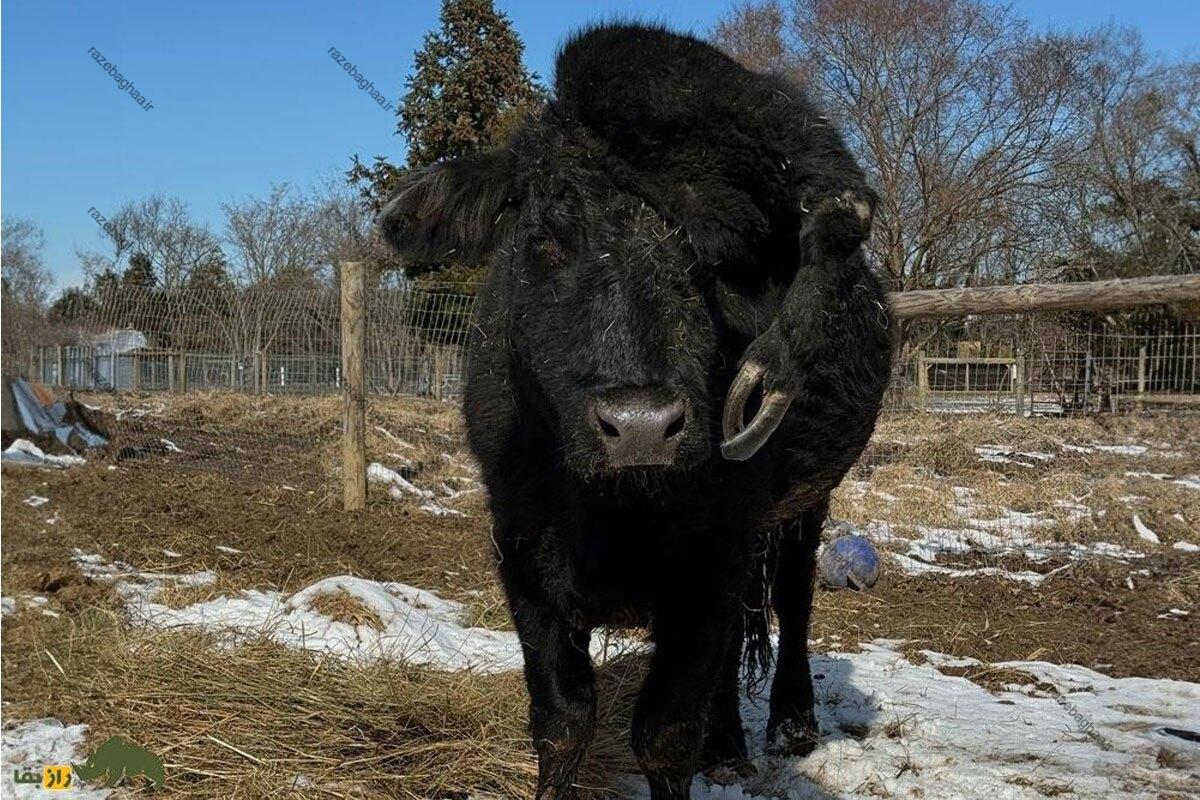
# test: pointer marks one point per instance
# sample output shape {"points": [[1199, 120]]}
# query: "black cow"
{"points": [[674, 249]]}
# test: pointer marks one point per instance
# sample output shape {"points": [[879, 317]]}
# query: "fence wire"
{"points": [[246, 381]]}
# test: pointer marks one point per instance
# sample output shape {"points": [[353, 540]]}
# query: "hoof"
{"points": [[730, 772], [792, 738]]}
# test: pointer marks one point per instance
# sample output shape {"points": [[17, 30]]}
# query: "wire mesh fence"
{"points": [[205, 376], [246, 381], [1051, 364], [278, 341], [286, 342]]}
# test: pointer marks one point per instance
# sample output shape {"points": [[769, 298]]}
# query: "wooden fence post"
{"points": [[1019, 383], [439, 372], [922, 380], [62, 366], [1141, 375], [354, 401]]}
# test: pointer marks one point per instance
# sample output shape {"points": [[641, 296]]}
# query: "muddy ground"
{"points": [[254, 497]]}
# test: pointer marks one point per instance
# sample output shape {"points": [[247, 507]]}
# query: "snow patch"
{"points": [[1004, 455], [1113, 449], [135, 585], [1143, 530], [891, 728], [417, 626], [32, 745], [928, 553], [23, 451], [400, 488], [1186, 481]]}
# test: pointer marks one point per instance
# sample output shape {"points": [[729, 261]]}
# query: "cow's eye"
{"points": [[549, 249]]}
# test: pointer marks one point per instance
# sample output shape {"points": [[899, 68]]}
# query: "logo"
{"points": [[117, 759], [113, 761], [55, 777]]}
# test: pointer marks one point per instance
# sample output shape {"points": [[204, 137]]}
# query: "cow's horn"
{"points": [[742, 441]]}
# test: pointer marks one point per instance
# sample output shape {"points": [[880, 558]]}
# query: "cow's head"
{"points": [[611, 308]]}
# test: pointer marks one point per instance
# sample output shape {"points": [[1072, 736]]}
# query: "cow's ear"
{"points": [[457, 210]]}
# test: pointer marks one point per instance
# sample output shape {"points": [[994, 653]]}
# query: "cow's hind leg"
{"points": [[792, 725]]}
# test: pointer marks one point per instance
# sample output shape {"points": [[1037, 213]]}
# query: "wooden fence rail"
{"points": [[1098, 295]]}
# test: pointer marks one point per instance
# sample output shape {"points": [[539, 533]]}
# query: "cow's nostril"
{"points": [[675, 427], [607, 427]]}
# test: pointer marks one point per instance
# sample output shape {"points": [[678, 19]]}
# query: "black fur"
{"points": [[667, 215]]}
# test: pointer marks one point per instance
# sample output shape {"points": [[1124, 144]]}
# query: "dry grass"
{"points": [[259, 719], [245, 721], [180, 595], [1080, 493], [341, 606], [293, 439], [262, 720], [996, 679], [488, 608]]}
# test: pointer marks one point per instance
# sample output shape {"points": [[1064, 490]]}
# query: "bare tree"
{"points": [[26, 279], [756, 34], [955, 110], [1135, 187], [273, 239], [345, 229], [26, 288], [160, 228]]}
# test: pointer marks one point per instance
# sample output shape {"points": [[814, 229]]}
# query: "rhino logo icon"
{"points": [[117, 759]]}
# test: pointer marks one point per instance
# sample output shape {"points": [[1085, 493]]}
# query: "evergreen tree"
{"points": [[468, 89], [140, 304], [105, 286], [210, 276], [140, 273], [467, 84], [73, 305]]}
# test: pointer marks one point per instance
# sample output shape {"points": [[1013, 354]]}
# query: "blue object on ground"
{"points": [[849, 562]]}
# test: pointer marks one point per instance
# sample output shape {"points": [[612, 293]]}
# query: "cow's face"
{"points": [[611, 316], [608, 310]]}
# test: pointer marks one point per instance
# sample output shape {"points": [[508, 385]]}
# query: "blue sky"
{"points": [[246, 94]]}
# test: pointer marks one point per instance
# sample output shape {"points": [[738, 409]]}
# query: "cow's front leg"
{"points": [[562, 693], [724, 753], [669, 719], [792, 726]]}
